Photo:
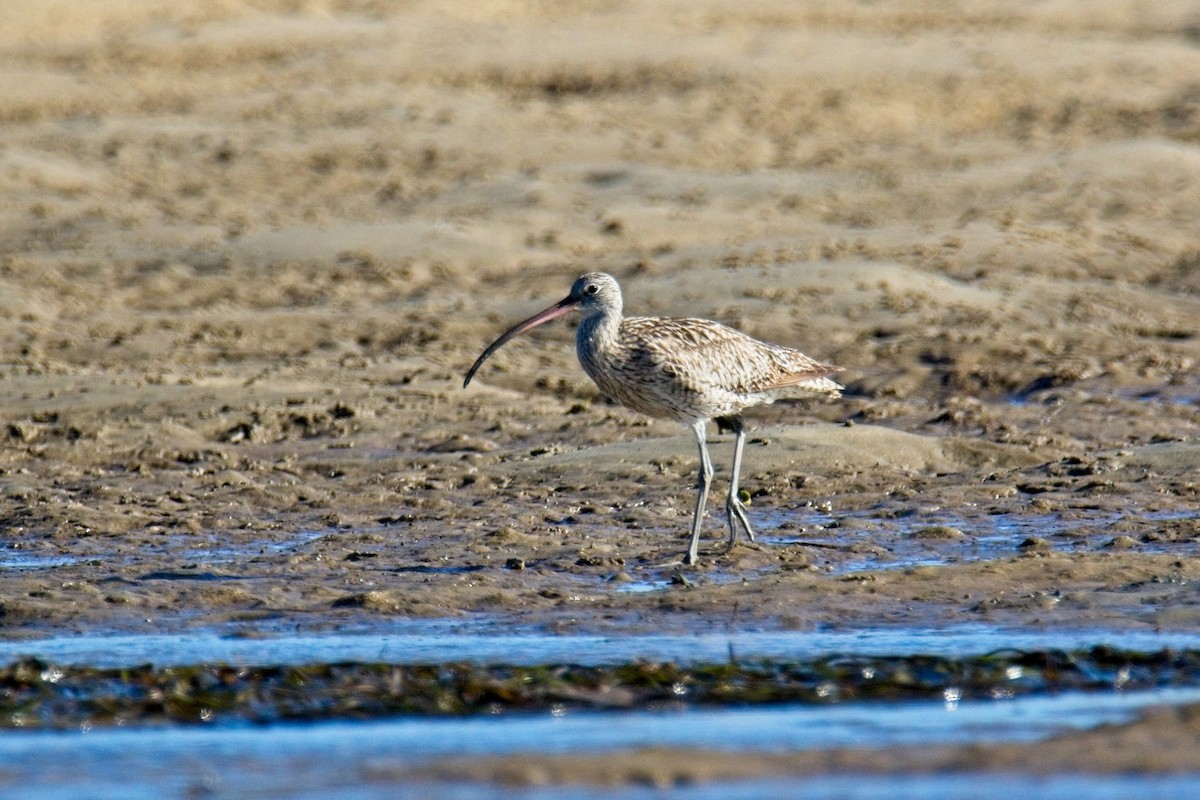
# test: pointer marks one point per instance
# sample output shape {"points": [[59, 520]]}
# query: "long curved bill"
{"points": [[564, 306]]}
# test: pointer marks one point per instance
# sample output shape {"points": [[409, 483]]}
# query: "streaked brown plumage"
{"points": [[688, 370]]}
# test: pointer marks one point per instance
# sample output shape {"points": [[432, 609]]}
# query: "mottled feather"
{"points": [[692, 369]]}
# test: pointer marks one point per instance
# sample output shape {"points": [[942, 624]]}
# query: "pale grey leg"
{"points": [[706, 474], [734, 510]]}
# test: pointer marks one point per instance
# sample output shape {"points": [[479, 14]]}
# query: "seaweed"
{"points": [[38, 694]]}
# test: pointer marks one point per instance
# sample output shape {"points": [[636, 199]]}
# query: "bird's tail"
{"points": [[821, 386], [812, 376]]}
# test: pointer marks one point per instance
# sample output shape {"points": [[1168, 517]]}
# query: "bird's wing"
{"points": [[701, 354]]}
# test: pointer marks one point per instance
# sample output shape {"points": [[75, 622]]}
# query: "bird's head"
{"points": [[593, 293], [596, 293]]}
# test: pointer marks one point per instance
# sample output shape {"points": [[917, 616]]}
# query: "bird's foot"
{"points": [[736, 512], [689, 559]]}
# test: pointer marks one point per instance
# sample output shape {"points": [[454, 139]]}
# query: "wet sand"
{"points": [[1149, 745], [248, 253]]}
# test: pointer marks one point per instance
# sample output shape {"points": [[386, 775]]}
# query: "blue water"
{"points": [[421, 642], [361, 760], [369, 759]]}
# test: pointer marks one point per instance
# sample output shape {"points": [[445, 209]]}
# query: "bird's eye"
{"points": [[592, 288]]}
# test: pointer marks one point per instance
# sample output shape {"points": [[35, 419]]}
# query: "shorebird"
{"points": [[692, 371]]}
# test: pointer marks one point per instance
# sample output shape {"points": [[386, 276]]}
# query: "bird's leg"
{"points": [[706, 473], [734, 510]]}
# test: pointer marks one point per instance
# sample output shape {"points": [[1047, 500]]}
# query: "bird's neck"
{"points": [[598, 332]]}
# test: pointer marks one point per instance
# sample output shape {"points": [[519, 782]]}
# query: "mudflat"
{"points": [[247, 252]]}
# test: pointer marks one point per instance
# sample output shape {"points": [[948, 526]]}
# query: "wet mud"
{"points": [[247, 252]]}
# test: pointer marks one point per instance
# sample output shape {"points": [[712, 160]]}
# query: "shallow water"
{"points": [[356, 759], [348, 759], [853, 787], [428, 642], [839, 787], [837, 540], [24, 560]]}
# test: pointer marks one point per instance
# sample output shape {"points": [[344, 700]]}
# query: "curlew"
{"points": [[691, 371]]}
